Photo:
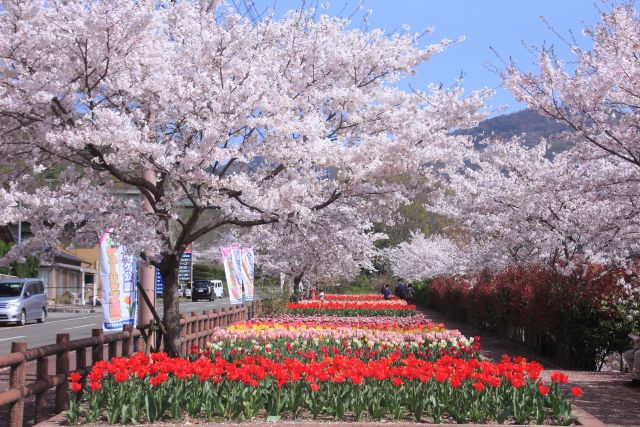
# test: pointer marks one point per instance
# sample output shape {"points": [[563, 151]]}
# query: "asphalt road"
{"points": [[76, 325]]}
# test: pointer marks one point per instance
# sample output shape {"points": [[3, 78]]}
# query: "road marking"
{"points": [[189, 306], [8, 328], [12, 338], [78, 327]]}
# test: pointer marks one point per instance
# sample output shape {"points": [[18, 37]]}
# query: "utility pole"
{"points": [[147, 273], [19, 222]]}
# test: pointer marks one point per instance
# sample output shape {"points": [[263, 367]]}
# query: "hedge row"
{"points": [[578, 320]]}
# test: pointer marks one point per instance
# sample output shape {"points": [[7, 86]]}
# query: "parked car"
{"points": [[218, 288], [202, 289], [22, 300], [184, 291]]}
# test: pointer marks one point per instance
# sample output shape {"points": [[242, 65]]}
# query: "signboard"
{"points": [[247, 263], [185, 272], [186, 265], [118, 277], [159, 287], [233, 275]]}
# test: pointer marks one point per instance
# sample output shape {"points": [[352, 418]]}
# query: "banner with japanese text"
{"points": [[118, 273], [247, 264], [233, 275]]}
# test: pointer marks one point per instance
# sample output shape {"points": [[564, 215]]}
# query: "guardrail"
{"points": [[195, 330]]}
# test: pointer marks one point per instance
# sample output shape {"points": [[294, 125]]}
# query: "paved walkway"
{"points": [[605, 395]]}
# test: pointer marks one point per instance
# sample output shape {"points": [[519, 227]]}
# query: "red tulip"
{"points": [[576, 391]]}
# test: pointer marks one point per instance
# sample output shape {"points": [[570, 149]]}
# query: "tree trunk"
{"points": [[171, 303]]}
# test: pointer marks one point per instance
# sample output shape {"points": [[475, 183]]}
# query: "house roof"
{"points": [[65, 257], [9, 232]]}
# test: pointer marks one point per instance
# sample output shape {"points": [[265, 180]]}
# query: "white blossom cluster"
{"points": [[268, 122], [519, 205]]}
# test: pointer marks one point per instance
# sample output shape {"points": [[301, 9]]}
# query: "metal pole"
{"points": [[96, 277], [19, 222], [148, 273], [82, 285]]}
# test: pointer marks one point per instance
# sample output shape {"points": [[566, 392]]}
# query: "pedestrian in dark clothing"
{"points": [[386, 291], [410, 293], [401, 290]]}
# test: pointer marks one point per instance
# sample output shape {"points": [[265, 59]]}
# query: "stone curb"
{"points": [[583, 419], [55, 421]]}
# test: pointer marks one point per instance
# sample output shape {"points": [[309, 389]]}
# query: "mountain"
{"points": [[528, 124]]}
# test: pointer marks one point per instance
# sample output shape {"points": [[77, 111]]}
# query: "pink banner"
{"points": [[234, 280]]}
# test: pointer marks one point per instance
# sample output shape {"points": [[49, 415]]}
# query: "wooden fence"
{"points": [[196, 328]]}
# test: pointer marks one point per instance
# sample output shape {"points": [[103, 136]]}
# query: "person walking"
{"points": [[410, 294], [401, 290], [386, 292]]}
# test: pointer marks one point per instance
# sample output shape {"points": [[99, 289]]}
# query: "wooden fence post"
{"points": [[150, 334], [112, 349], [128, 341], [42, 403], [216, 318], [224, 316], [139, 341], [193, 320], [62, 368], [205, 325], [81, 365], [97, 351], [183, 334], [17, 376]]}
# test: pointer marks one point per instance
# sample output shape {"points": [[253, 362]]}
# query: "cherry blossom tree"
{"points": [[518, 205], [263, 122], [423, 257], [595, 93], [337, 243]]}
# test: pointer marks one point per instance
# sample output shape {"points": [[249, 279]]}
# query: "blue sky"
{"points": [[499, 24]]}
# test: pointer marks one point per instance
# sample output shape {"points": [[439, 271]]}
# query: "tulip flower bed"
{"points": [[366, 338], [355, 302], [141, 388], [358, 297], [376, 366], [353, 308]]}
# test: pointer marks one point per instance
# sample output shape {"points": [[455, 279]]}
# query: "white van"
{"points": [[218, 288], [22, 300]]}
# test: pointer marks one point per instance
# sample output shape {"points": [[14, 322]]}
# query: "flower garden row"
{"points": [[346, 368]]}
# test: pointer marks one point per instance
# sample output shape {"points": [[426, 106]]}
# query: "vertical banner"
{"points": [[281, 281], [118, 280], [236, 258], [247, 272], [233, 280]]}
